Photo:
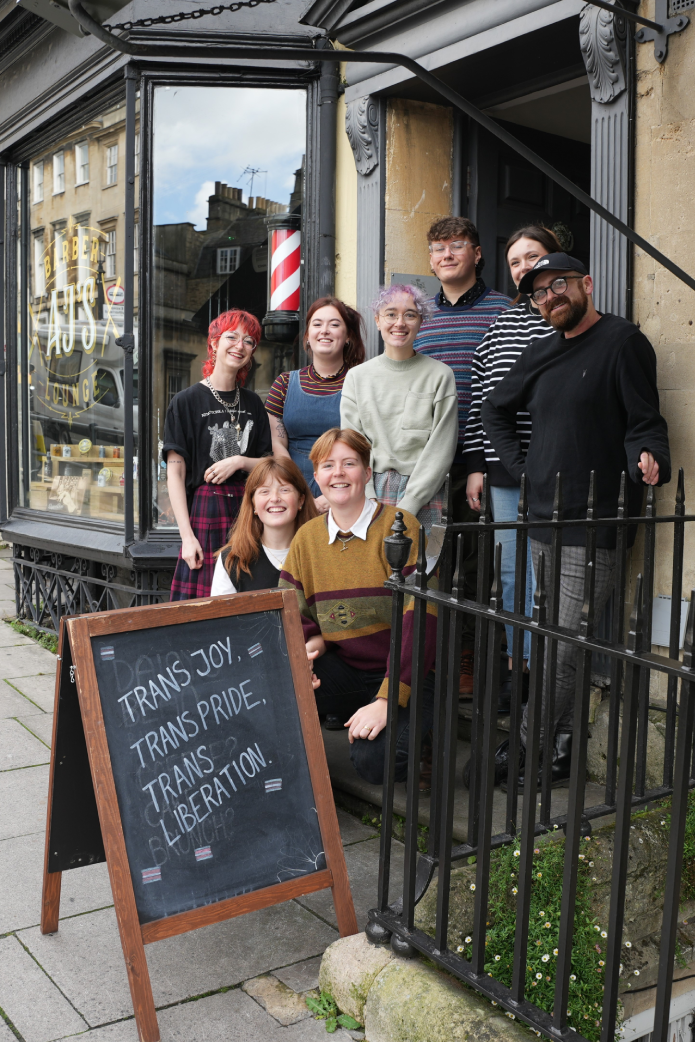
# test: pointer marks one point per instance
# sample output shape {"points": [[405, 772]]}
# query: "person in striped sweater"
{"points": [[495, 355], [337, 564], [462, 313]]}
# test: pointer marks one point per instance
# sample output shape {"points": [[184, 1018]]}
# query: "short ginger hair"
{"points": [[323, 446]]}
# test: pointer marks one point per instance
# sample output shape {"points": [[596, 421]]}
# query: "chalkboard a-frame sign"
{"points": [[187, 753]]}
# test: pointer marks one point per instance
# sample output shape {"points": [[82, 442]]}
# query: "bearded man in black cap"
{"points": [[590, 388]]}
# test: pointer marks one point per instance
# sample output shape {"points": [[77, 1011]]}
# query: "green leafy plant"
{"points": [[325, 1008], [589, 942], [46, 640]]}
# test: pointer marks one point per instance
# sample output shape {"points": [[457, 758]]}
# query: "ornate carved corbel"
{"points": [[602, 38], [362, 128]]}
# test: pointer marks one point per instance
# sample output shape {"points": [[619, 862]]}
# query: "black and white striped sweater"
{"points": [[503, 343]]}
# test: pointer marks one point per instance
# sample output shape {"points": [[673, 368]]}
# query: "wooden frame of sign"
{"points": [[76, 648]]}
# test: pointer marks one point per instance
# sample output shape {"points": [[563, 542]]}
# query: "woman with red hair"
{"points": [[214, 434]]}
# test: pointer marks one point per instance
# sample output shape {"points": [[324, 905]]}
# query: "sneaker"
{"points": [[466, 675]]}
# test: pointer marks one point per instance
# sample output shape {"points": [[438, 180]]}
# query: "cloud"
{"points": [[198, 214], [207, 134]]}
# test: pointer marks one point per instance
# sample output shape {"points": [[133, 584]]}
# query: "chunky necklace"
{"points": [[313, 372], [345, 541], [230, 408]]}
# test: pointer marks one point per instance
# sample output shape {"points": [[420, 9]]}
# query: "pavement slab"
{"points": [[19, 748], [31, 1000], [12, 703], [40, 725], [5, 1034], [26, 661], [9, 637], [362, 861], [301, 976], [352, 830], [21, 873], [23, 799], [39, 689], [284, 1005], [86, 961]]}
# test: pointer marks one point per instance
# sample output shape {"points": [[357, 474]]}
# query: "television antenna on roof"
{"points": [[252, 172]]}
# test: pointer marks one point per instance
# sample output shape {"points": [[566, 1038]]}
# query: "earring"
{"points": [[347, 343]]}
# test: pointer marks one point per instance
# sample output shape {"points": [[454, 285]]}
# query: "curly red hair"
{"points": [[232, 320]]}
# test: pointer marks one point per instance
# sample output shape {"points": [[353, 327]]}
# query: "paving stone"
{"points": [[12, 703], [362, 861], [5, 1034], [283, 1004], [8, 636], [8, 608], [31, 1000], [21, 878], [26, 661], [40, 689], [302, 976], [18, 748], [40, 725], [86, 961], [23, 797], [351, 828]]}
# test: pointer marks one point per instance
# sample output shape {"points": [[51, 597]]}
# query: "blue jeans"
{"points": [[505, 502]]}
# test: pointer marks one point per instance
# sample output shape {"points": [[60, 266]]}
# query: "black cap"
{"points": [[551, 262]]}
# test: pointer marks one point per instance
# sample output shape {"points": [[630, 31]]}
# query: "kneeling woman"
{"points": [[276, 502], [214, 434], [337, 564]]}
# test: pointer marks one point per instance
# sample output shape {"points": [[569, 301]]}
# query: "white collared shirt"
{"points": [[360, 526]]}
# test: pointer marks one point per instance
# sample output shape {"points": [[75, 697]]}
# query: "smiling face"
{"points": [[399, 322], [564, 309], [277, 503], [523, 255], [234, 349], [342, 478], [454, 260], [327, 333]]}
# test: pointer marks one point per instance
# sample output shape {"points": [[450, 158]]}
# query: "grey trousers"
{"points": [[571, 603]]}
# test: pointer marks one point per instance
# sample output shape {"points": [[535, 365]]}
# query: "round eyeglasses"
{"points": [[558, 286], [441, 247]]}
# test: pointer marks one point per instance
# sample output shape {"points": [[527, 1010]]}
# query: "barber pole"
{"points": [[284, 277]]}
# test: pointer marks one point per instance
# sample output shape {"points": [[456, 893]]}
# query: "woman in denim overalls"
{"points": [[305, 403]]}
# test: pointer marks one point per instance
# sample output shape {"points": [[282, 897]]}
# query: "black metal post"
{"points": [[132, 77], [3, 365], [25, 429], [328, 121], [675, 628]]}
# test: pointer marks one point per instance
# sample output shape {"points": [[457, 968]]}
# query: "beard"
{"points": [[570, 319]]}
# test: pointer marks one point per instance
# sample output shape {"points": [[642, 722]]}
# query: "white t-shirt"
{"points": [[221, 580]]}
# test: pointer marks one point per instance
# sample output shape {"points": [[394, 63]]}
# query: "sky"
{"points": [[208, 134]]}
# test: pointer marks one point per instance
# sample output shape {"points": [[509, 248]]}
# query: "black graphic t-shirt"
{"points": [[201, 430]]}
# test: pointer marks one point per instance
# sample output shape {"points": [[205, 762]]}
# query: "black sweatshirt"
{"points": [[594, 405]]}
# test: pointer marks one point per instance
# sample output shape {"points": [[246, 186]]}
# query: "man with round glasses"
{"points": [[463, 311], [590, 388]]}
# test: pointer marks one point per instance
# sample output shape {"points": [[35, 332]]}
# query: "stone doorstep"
{"points": [[401, 1000]]}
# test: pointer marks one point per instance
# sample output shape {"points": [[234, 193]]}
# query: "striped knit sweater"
{"points": [[451, 336], [503, 343], [342, 596]]}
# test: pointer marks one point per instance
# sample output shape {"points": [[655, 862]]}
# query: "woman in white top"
{"points": [[276, 502], [405, 404]]}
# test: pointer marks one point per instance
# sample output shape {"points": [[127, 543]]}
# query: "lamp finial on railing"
{"points": [[397, 547]]}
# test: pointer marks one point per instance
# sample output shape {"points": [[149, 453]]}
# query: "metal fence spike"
{"points": [[622, 497], [557, 502], [680, 494], [522, 509], [448, 505]]}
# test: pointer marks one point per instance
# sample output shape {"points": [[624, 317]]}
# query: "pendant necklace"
{"points": [[345, 541], [274, 554], [229, 408]]}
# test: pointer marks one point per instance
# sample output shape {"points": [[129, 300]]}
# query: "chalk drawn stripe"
{"points": [[254, 650], [203, 854], [151, 875], [273, 784], [108, 652]]}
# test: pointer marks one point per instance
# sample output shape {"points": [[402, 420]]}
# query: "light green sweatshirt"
{"points": [[409, 412]]}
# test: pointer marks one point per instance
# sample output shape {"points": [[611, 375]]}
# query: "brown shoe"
{"points": [[466, 675]]}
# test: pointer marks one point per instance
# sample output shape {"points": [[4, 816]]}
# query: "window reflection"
{"points": [[72, 411], [215, 150]]}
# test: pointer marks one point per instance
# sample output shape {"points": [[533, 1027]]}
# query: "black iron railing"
{"points": [[631, 665]]}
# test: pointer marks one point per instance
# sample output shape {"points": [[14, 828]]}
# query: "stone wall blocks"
{"points": [[348, 970]]}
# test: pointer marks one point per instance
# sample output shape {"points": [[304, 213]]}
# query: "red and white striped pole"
{"points": [[284, 277]]}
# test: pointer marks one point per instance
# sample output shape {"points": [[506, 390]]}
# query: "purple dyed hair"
{"points": [[423, 304]]}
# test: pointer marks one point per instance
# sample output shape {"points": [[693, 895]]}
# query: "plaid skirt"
{"points": [[213, 511], [390, 488]]}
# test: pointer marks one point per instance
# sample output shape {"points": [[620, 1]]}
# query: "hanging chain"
{"points": [[185, 16]]}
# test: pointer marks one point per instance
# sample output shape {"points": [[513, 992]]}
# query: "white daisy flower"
{"points": [[545, 958]]}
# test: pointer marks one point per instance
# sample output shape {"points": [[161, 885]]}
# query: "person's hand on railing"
{"points": [[474, 490], [649, 467], [315, 647], [368, 721]]}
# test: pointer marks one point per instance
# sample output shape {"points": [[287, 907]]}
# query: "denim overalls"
{"points": [[306, 417]]}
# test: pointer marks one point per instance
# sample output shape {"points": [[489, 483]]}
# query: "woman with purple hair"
{"points": [[405, 404]]}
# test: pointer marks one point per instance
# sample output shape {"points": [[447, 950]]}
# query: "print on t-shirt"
{"points": [[226, 442]]}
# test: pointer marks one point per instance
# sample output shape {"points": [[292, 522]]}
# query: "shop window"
{"points": [[38, 182], [110, 255], [58, 173], [112, 164], [200, 220], [228, 260], [71, 411]]}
